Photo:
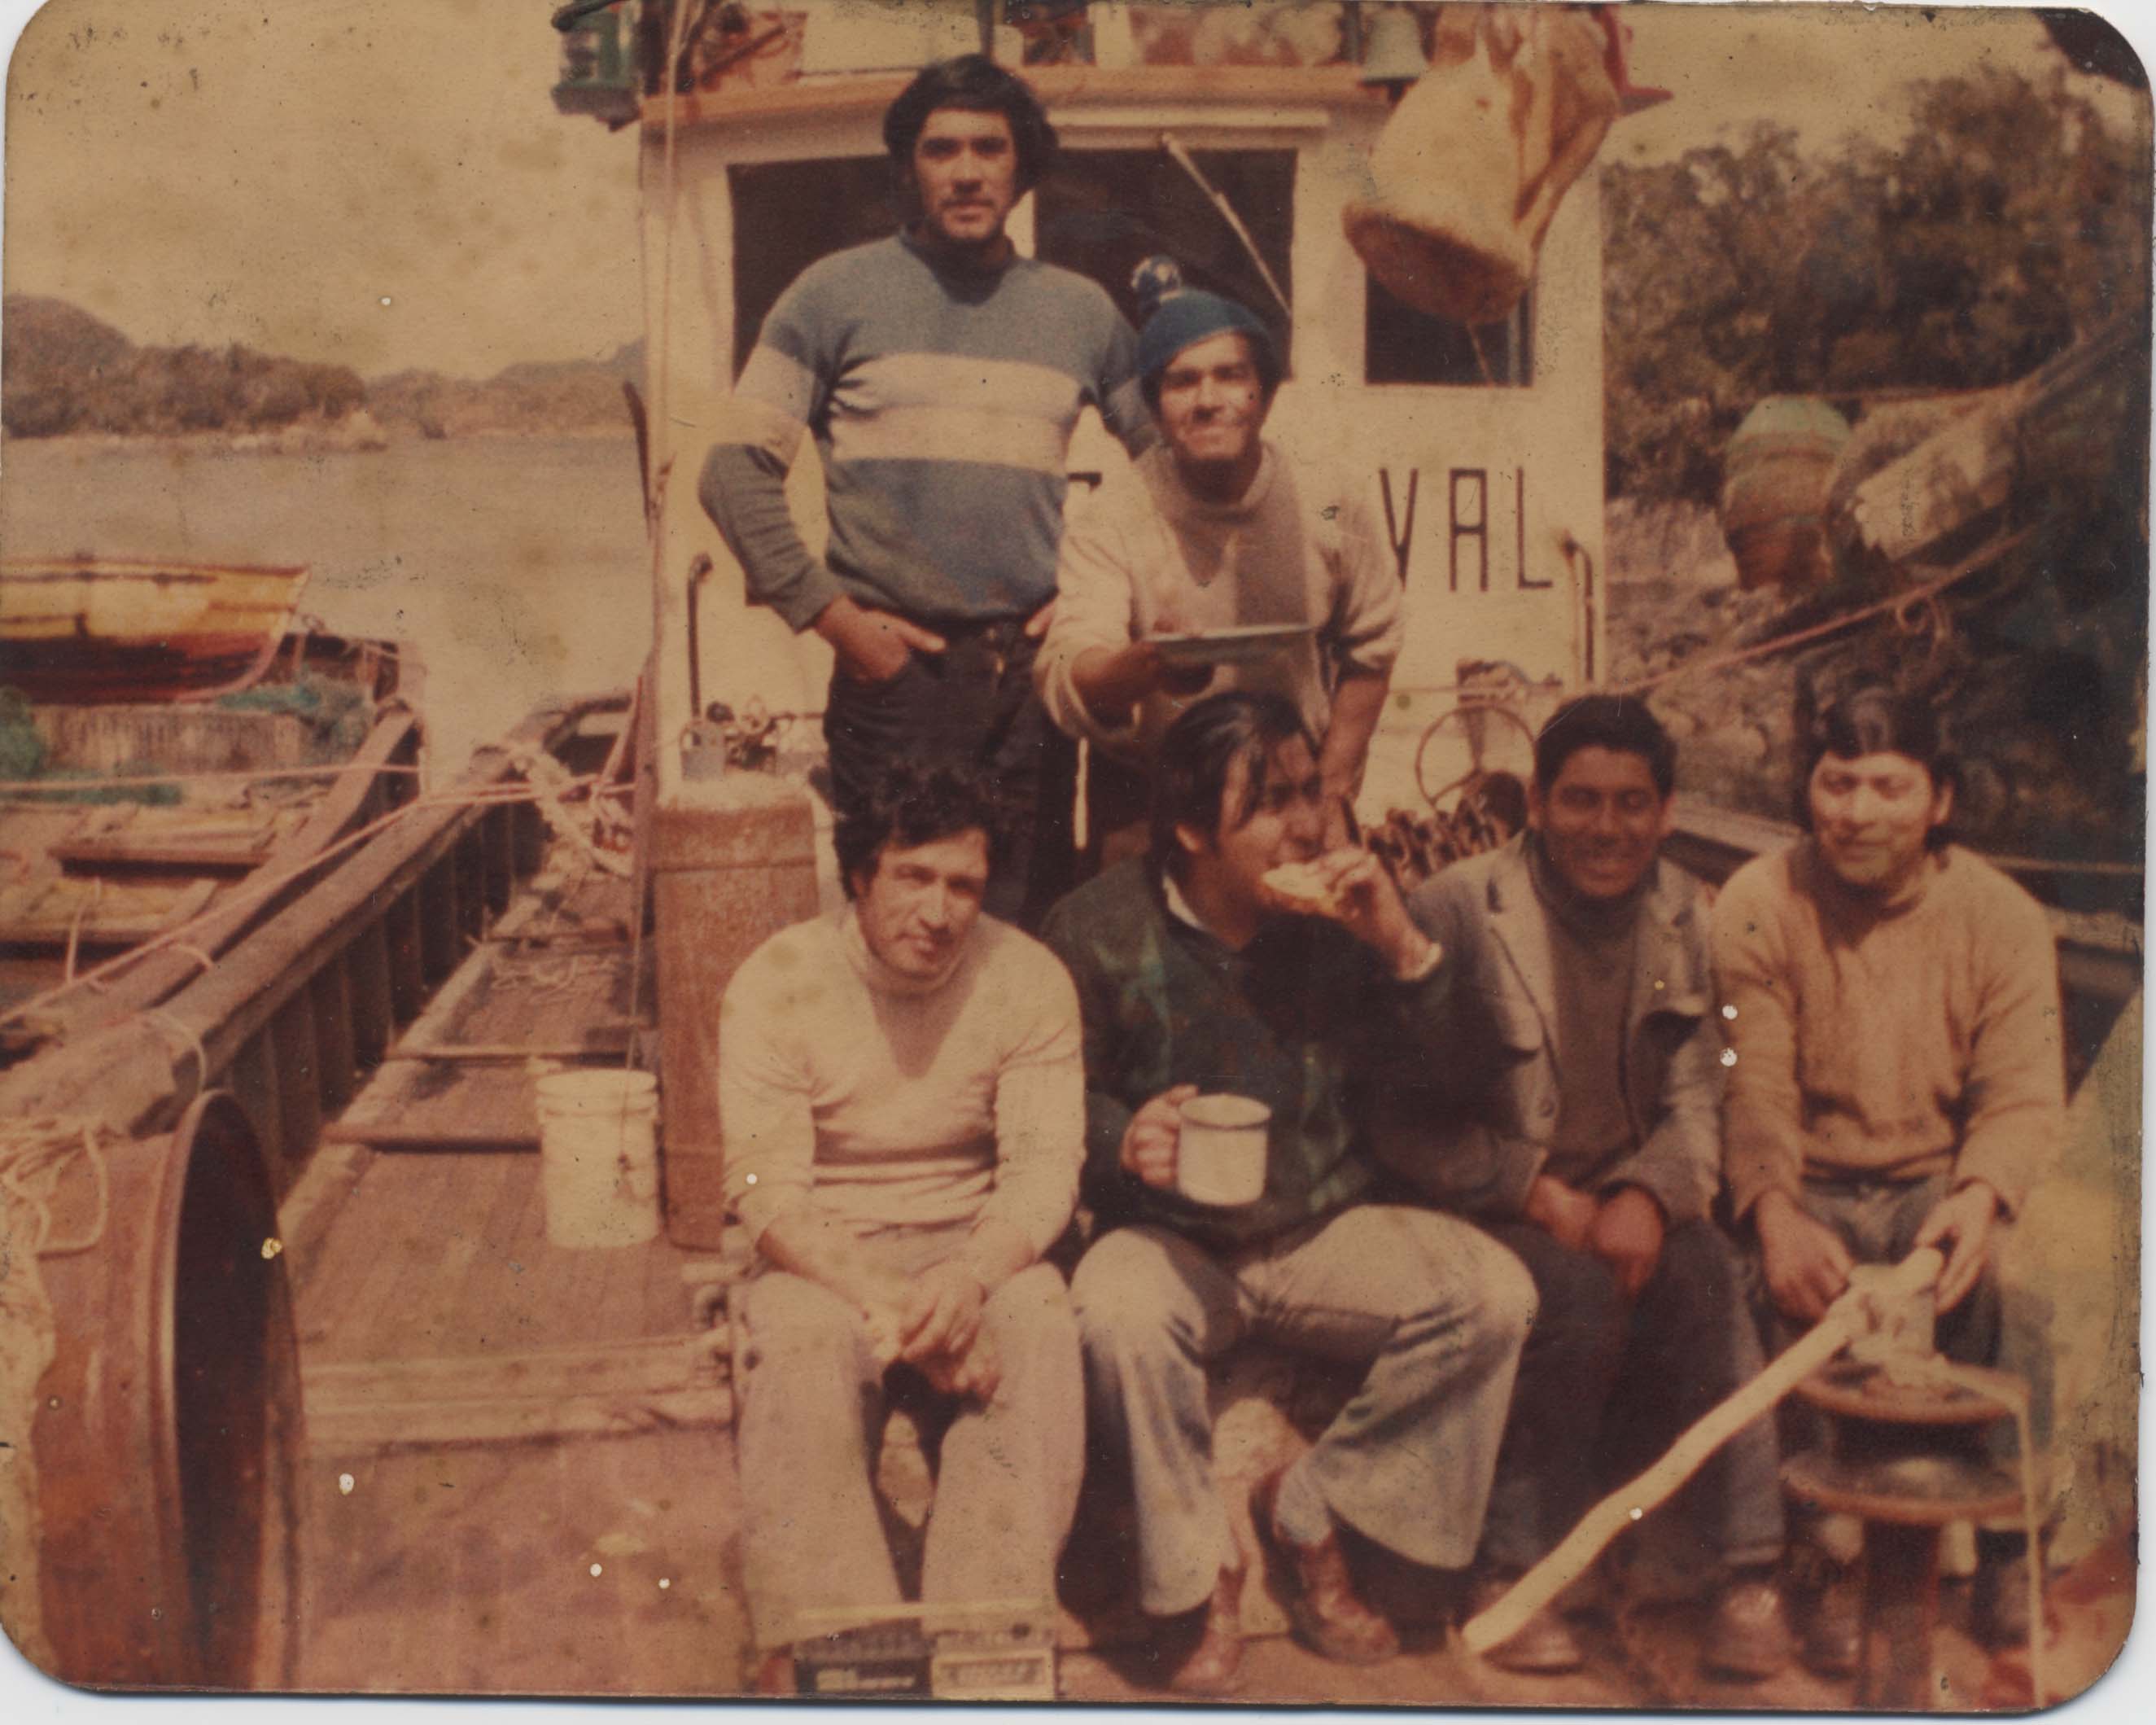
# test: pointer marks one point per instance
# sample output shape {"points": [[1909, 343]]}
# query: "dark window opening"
{"points": [[1104, 211], [786, 215], [1401, 344]]}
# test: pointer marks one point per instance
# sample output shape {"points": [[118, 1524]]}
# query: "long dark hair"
{"points": [[1873, 718], [1200, 750]]}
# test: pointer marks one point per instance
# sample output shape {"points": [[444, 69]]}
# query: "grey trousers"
{"points": [[810, 1422], [1438, 1308], [1878, 1220]]}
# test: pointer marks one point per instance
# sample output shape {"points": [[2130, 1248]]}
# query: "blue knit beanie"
{"points": [[1177, 317]]}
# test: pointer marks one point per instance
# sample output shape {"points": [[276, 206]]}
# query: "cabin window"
{"points": [[1401, 344], [853, 201], [1103, 211]]}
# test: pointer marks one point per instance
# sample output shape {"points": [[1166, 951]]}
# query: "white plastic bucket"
{"points": [[598, 1152], [1220, 1149]]}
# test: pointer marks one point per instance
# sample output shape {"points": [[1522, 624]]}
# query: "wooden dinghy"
{"points": [[139, 819], [89, 630]]}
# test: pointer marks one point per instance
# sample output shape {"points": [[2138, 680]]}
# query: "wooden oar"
{"points": [[1855, 1313]]}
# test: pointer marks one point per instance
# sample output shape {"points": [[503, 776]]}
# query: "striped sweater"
{"points": [[941, 403]]}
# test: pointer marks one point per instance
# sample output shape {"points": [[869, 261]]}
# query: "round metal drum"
{"points": [[169, 1434]]}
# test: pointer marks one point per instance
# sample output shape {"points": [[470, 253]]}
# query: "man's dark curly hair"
{"points": [[914, 802], [978, 84]]}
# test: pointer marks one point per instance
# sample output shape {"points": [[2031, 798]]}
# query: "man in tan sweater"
{"points": [[903, 1101], [1892, 1002]]}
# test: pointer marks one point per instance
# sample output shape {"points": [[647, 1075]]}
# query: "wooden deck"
{"points": [[521, 1476]]}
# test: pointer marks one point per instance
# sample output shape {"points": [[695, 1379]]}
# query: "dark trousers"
{"points": [[972, 703], [1606, 1386]]}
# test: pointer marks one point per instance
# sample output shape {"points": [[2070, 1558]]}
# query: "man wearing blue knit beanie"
{"points": [[1214, 533]]}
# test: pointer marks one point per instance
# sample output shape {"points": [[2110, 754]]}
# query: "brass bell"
{"points": [[1393, 53]]}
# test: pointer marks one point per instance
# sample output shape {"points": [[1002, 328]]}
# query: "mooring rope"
{"points": [[35, 1155]]}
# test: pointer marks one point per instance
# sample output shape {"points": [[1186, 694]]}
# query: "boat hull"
{"points": [[89, 631]]}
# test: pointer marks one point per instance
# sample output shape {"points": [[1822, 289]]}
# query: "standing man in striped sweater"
{"points": [[941, 375]]}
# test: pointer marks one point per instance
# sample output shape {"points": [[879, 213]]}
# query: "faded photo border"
{"points": [[2127, 1693]]}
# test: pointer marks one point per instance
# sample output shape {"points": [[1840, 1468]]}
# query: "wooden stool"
{"points": [[1887, 1465]]}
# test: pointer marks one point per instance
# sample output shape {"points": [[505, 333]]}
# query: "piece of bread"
{"points": [[1305, 883]]}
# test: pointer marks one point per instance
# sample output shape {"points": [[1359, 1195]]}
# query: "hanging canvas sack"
{"points": [[1470, 167]]}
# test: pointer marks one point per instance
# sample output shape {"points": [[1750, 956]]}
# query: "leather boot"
{"points": [[1214, 1667], [1329, 1618], [1543, 1646], [1747, 1635]]}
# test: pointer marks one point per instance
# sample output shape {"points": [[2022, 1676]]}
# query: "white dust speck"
{"points": [[345, 1483], [272, 1246], [597, 1570], [664, 1583], [1637, 1513], [751, 1179], [1729, 1057], [1729, 1012], [385, 299]]}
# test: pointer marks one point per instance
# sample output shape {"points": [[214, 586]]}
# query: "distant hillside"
{"points": [[532, 396], [63, 371]]}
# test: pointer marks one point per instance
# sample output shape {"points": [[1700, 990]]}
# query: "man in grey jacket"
{"points": [[1576, 1118]]}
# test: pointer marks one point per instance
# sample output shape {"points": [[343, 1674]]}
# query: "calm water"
{"points": [[517, 567]]}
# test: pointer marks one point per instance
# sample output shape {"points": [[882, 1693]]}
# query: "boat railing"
{"points": [[302, 1004]]}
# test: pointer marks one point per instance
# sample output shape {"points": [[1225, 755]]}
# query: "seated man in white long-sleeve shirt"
{"points": [[903, 1105]]}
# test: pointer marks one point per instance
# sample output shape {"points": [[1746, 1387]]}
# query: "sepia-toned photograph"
{"points": [[982, 851]]}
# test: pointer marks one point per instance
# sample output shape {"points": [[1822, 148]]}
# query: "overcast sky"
{"points": [[386, 183]]}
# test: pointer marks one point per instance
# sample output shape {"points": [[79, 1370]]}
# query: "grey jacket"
{"points": [[1472, 1136]]}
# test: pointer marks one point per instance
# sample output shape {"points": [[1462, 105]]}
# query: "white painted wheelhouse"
{"points": [[1482, 450]]}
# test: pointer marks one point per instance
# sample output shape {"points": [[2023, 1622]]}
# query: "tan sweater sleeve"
{"points": [[765, 1119], [1040, 1107], [2016, 1094], [1369, 618], [1093, 608], [1763, 1108]]}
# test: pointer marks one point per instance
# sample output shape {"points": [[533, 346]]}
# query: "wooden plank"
{"points": [[470, 858], [433, 1317], [602, 1042], [501, 850], [309, 1211], [335, 1045], [400, 1223], [393, 741], [373, 1011], [299, 1081], [1148, 87], [380, 1134], [197, 856], [345, 1427], [683, 1360], [98, 912], [505, 1538], [253, 1078], [125, 1073], [407, 971], [441, 950], [464, 1399]]}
